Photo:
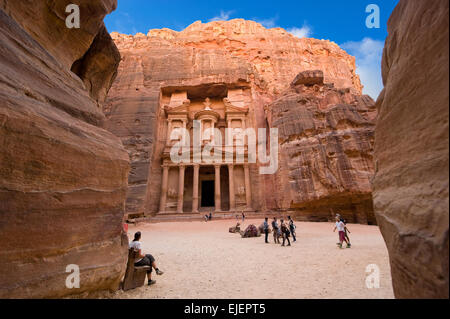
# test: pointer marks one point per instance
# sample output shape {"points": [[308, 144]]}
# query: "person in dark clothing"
{"points": [[276, 231], [286, 233], [210, 216], [292, 228], [266, 229], [147, 260]]}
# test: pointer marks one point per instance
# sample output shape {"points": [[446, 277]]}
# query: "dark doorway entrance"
{"points": [[208, 194]]}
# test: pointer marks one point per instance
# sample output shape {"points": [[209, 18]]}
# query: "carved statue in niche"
{"points": [[207, 104], [172, 193]]}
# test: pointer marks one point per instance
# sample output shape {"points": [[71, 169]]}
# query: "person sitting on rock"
{"points": [[147, 260]]}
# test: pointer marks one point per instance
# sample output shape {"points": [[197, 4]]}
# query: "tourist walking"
{"points": [[286, 233], [243, 217], [266, 229], [349, 245], [276, 231], [292, 228], [340, 226], [147, 260]]}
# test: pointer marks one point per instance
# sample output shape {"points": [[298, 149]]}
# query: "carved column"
{"points": [[248, 191], [195, 189], [169, 131], [217, 194], [231, 183], [163, 198], [181, 189], [183, 139], [230, 135]]}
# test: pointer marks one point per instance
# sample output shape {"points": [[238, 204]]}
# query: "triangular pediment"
{"points": [[181, 109], [230, 108]]}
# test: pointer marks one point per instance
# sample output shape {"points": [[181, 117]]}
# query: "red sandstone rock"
{"points": [[326, 150], [308, 78], [411, 149], [206, 58], [63, 178]]}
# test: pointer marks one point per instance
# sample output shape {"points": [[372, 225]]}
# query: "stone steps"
{"points": [[175, 217]]}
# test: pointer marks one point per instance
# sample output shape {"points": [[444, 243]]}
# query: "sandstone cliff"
{"points": [[63, 178], [232, 53], [411, 149], [326, 150]]}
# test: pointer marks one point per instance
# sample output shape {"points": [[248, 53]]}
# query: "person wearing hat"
{"points": [[147, 260]]}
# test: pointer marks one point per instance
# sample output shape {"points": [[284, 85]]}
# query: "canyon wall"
{"points": [[235, 54], [326, 157], [410, 188], [63, 178]]}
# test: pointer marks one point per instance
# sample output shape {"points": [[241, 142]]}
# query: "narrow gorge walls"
{"points": [[411, 149], [63, 178]]}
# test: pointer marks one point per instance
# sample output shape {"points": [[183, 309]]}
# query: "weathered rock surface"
{"points": [[411, 149], [89, 50], [63, 178], [326, 150], [233, 53]]}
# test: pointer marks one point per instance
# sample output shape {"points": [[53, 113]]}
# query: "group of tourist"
{"points": [[282, 230]]}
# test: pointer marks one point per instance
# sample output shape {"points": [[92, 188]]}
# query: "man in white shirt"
{"points": [[340, 226], [147, 260]]}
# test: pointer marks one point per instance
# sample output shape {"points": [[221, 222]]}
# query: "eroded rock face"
{"points": [[411, 149], [63, 178], [89, 50], [202, 59], [326, 157]]}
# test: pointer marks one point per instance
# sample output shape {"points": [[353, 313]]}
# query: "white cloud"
{"points": [[303, 32], [223, 16], [267, 23], [368, 53]]}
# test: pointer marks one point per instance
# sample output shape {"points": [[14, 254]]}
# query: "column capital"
{"points": [[217, 166], [231, 165]]}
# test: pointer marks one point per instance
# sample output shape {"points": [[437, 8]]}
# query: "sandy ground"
{"points": [[203, 261]]}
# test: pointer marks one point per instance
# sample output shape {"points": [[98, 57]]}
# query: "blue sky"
{"points": [[343, 22]]}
